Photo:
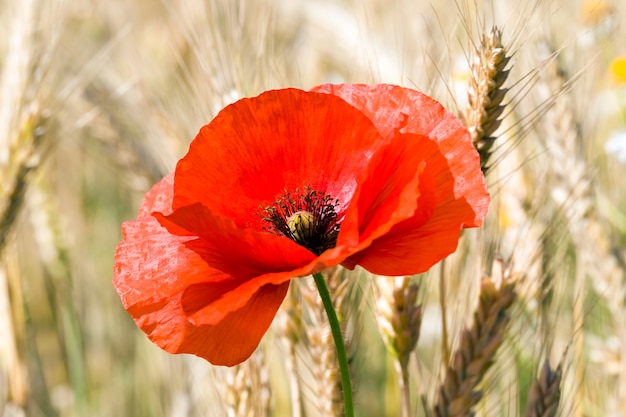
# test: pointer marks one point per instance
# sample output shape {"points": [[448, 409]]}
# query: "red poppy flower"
{"points": [[284, 185]]}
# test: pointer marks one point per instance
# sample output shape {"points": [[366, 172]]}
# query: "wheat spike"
{"points": [[288, 327], [486, 93], [574, 190], [22, 122], [321, 353], [24, 158], [399, 317], [399, 320], [247, 388], [545, 393], [477, 350], [22, 119]]}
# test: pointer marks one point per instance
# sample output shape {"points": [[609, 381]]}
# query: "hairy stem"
{"points": [[335, 329]]}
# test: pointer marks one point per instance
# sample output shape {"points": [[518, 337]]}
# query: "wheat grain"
{"points": [[486, 93], [545, 393], [399, 319], [247, 388], [289, 329], [573, 190], [476, 353], [324, 384]]}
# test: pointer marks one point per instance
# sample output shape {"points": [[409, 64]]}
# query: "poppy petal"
{"points": [[416, 244], [229, 342], [203, 307], [156, 275], [153, 266], [282, 140], [241, 253], [233, 339], [386, 105], [392, 188], [457, 186]]}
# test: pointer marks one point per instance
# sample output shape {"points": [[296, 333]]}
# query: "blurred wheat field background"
{"points": [[100, 99]]}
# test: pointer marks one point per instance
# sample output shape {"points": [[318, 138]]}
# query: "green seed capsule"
{"points": [[301, 224]]}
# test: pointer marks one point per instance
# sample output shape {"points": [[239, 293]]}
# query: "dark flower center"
{"points": [[308, 218]]}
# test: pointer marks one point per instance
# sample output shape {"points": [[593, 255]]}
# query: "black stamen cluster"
{"points": [[319, 236]]}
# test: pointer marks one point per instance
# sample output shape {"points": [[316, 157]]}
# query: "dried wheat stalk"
{"points": [[476, 353], [399, 320], [574, 192], [399, 317], [22, 121], [545, 393], [325, 385], [289, 329], [13, 379], [21, 132], [486, 93], [248, 389]]}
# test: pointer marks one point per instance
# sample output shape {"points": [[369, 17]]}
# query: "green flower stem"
{"points": [[342, 358]]}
